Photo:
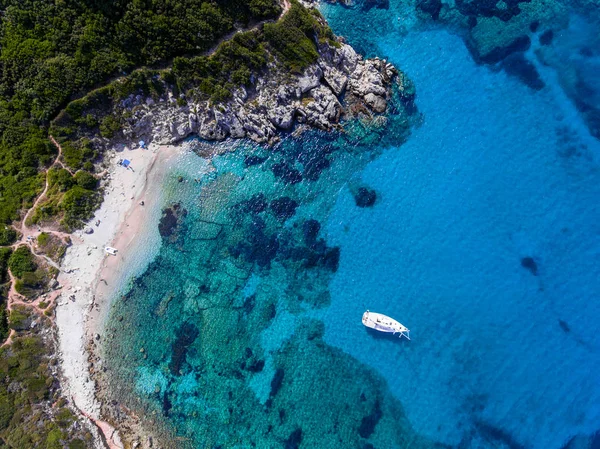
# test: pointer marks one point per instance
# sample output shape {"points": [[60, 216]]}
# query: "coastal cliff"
{"points": [[341, 84]]}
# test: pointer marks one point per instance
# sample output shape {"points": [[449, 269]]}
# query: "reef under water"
{"points": [[215, 344], [472, 220]]}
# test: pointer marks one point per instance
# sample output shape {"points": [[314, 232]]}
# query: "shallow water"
{"points": [[484, 240]]}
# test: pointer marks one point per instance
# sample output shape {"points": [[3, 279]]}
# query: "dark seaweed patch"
{"points": [[489, 8], [276, 382], [294, 440], [529, 264], [256, 366], [331, 259], [495, 433], [546, 37], [533, 26], [287, 173], [518, 66], [431, 7], [253, 160], [258, 247], [169, 220], [166, 404], [595, 443], [284, 208], [255, 205], [249, 304], [317, 255], [313, 167], [184, 337], [368, 423], [499, 53], [365, 197], [564, 326], [310, 231]]}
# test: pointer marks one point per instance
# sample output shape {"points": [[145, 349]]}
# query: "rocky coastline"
{"points": [[340, 85]]}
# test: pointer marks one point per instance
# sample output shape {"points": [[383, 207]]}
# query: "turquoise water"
{"points": [[484, 239]]}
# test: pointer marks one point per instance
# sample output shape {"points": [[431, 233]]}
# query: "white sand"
{"points": [[86, 262]]}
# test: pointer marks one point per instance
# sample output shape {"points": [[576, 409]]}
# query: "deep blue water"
{"points": [[484, 240]]}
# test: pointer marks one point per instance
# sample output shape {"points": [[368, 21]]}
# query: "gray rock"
{"points": [[335, 79], [310, 79], [376, 103]]}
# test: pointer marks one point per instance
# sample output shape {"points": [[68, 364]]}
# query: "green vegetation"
{"points": [[28, 390], [5, 254], [290, 43], [8, 235], [52, 52], [21, 261], [30, 277], [292, 38], [73, 197]]}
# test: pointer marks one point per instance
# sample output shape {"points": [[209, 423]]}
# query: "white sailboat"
{"points": [[383, 323]]}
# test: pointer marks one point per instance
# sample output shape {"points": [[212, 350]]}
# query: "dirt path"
{"points": [[15, 298], [28, 236]]}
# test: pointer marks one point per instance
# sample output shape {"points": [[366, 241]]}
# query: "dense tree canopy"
{"points": [[52, 51]]}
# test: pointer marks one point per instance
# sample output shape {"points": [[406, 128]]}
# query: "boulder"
{"points": [[335, 79], [376, 103]]}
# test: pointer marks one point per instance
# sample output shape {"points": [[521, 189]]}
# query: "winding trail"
{"points": [[28, 236]]}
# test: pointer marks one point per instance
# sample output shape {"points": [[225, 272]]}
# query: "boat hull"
{"points": [[383, 323]]}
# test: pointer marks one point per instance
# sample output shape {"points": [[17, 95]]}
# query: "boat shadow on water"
{"points": [[385, 336]]}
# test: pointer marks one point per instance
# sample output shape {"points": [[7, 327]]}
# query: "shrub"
{"points": [[109, 126], [19, 319], [43, 239], [8, 236], [61, 178], [78, 205], [4, 256], [21, 261], [86, 180], [72, 154]]}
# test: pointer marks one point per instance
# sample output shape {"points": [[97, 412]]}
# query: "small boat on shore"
{"points": [[383, 323], [110, 250]]}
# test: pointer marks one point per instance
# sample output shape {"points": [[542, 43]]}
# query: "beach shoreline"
{"points": [[90, 277]]}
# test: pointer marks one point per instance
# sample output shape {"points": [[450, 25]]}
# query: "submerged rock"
{"points": [[284, 208], [365, 197], [171, 218], [310, 231], [294, 440], [184, 337], [287, 173], [530, 264], [517, 65], [368, 423]]}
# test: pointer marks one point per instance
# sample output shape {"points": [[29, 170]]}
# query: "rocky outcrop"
{"points": [[319, 97]]}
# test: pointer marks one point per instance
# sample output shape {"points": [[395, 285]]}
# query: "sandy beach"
{"points": [[89, 275]]}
